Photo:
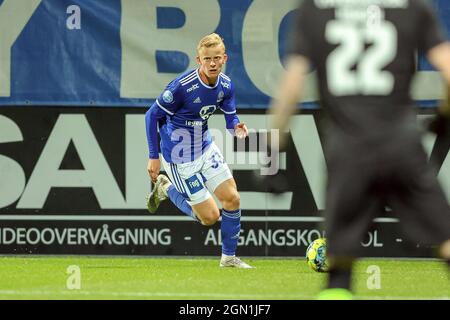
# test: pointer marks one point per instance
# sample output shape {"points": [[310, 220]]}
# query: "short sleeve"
{"points": [[171, 98], [298, 37], [430, 30]]}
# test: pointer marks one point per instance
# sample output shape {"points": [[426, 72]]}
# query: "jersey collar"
{"points": [[204, 84]]}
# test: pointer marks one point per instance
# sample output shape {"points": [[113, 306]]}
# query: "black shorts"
{"points": [[367, 174]]}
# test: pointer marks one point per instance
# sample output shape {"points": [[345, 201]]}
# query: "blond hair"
{"points": [[211, 40]]}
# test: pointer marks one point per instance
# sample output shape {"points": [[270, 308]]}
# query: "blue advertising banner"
{"points": [[123, 53]]}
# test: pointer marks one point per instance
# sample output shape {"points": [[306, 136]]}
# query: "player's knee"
{"points": [[233, 202], [211, 218]]}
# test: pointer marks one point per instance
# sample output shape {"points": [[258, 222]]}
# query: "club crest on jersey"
{"points": [[207, 111], [220, 96], [167, 96]]}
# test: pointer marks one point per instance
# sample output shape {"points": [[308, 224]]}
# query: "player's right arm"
{"points": [[152, 116], [165, 105]]}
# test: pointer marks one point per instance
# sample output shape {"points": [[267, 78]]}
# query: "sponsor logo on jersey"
{"points": [[225, 84], [194, 86], [198, 100], [194, 123], [167, 96]]}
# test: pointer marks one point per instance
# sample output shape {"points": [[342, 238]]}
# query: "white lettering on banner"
{"points": [[269, 237], [141, 38], [281, 237], [14, 16], [12, 176], [85, 236], [372, 240], [96, 173], [74, 20]]}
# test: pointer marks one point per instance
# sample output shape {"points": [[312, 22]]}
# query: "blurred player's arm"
{"points": [[287, 95], [280, 110], [286, 98], [439, 56], [291, 84], [431, 40]]}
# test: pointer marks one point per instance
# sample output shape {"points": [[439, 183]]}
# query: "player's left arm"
{"points": [[431, 40], [297, 63], [281, 108], [233, 123], [439, 56]]}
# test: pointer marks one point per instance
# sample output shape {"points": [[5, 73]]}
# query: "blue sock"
{"points": [[180, 202], [230, 229]]}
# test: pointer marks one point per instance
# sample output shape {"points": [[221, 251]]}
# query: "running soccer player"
{"points": [[194, 164], [364, 52]]}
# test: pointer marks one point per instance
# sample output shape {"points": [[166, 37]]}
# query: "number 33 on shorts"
{"points": [[216, 159]]}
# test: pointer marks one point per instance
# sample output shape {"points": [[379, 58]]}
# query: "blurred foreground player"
{"points": [[364, 52], [191, 159]]}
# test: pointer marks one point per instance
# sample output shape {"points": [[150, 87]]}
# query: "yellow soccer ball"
{"points": [[316, 255]]}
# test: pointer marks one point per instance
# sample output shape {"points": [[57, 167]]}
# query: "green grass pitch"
{"points": [[188, 279]]}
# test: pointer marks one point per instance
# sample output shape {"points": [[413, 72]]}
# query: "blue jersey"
{"points": [[182, 112]]}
